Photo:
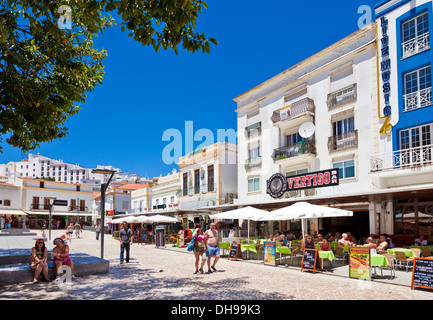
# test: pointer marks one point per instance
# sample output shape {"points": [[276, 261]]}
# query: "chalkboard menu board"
{"points": [[144, 235], [310, 260], [422, 275], [235, 251]]}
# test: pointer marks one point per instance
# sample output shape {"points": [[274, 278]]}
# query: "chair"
{"points": [[391, 264], [417, 252], [382, 252], [400, 257], [339, 253], [425, 252], [260, 249], [295, 251]]}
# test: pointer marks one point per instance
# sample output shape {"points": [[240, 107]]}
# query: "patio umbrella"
{"points": [[246, 213], [304, 210], [162, 219]]}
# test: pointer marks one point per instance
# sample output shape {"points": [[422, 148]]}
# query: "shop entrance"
{"points": [[358, 225]]}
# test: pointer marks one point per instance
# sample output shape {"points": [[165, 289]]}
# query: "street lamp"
{"points": [[103, 189]]}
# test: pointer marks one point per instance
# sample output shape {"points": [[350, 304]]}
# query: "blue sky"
{"points": [[145, 93]]}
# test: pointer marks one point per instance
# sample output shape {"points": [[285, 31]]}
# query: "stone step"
{"points": [[19, 272]]}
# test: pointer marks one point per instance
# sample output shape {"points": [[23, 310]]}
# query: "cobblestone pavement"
{"points": [[162, 274]]}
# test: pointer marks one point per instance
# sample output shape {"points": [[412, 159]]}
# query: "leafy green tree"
{"points": [[48, 61]]}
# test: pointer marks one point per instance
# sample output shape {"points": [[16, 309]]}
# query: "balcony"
{"points": [[405, 158], [343, 141], [299, 109], [41, 207], [416, 45], [292, 151], [74, 208], [342, 96], [253, 163], [417, 100], [190, 191]]}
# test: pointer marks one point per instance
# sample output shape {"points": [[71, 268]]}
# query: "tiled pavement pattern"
{"points": [[163, 274]]}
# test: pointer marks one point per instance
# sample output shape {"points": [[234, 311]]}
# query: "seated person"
{"points": [[383, 243], [291, 236], [61, 257], [325, 245], [337, 236], [279, 237], [344, 241], [389, 241], [351, 238], [320, 237], [39, 260], [370, 243], [308, 243], [329, 236], [421, 241]]}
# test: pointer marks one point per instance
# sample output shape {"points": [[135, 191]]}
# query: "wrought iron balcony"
{"points": [[342, 141], [402, 158], [342, 96], [304, 147], [203, 188], [252, 163], [297, 108], [417, 100], [416, 45]]}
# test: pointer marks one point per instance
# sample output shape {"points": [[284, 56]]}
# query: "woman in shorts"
{"points": [[200, 248], [70, 231]]}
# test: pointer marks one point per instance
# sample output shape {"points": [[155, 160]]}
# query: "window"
{"points": [[416, 36], [293, 139], [343, 126], [418, 89], [124, 204], [419, 141], [346, 168], [254, 153], [253, 184], [7, 203]]}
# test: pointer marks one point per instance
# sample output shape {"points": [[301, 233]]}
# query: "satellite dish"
{"points": [[307, 129]]}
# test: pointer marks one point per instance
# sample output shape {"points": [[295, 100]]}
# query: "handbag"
{"points": [[32, 262], [191, 244]]}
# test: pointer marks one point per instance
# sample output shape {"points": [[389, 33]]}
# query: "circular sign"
{"points": [[277, 185]]}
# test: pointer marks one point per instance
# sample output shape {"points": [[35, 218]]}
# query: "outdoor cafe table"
{"points": [[249, 247], [378, 260], [419, 247], [326, 255], [283, 249], [408, 252]]}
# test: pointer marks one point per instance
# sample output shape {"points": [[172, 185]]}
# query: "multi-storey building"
{"points": [[165, 193], [37, 166], [208, 178], [401, 164], [308, 126]]}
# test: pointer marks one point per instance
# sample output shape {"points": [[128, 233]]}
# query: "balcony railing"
{"points": [[304, 147], [342, 96], [419, 99], [402, 158], [190, 191], [297, 108], [74, 208], [416, 45], [253, 163], [342, 141], [37, 206]]}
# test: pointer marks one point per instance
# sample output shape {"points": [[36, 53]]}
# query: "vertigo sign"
{"points": [[278, 184]]}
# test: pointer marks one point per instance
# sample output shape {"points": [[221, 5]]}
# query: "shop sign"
{"points": [[60, 203], [278, 184], [385, 72], [359, 263], [269, 250]]}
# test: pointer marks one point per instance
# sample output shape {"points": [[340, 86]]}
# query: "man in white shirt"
{"points": [[421, 241]]}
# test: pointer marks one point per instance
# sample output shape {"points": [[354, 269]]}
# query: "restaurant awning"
{"points": [[58, 213], [15, 212]]}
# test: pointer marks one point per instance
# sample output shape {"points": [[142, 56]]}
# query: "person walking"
{"points": [[70, 230], [97, 230], [125, 238], [200, 248], [213, 250], [77, 228]]}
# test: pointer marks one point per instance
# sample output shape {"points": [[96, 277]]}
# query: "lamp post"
{"points": [[103, 189]]}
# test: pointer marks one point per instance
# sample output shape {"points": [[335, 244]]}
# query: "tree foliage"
{"points": [[47, 66]]}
